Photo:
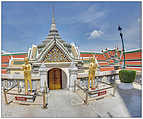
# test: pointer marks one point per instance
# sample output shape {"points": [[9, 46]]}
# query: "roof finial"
{"points": [[53, 25], [53, 14]]}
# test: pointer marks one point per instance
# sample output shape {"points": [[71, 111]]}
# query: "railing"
{"points": [[99, 74], [89, 95], [111, 75], [18, 77], [11, 87], [107, 77]]}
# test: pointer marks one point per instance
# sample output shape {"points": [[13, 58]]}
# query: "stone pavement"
{"points": [[65, 103]]}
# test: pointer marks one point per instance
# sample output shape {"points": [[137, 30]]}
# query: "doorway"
{"points": [[55, 79]]}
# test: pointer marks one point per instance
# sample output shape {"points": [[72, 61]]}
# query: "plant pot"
{"points": [[126, 86], [126, 77]]}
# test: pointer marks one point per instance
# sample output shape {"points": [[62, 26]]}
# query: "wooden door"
{"points": [[55, 81]]}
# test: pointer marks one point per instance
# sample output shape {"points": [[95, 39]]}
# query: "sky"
{"points": [[92, 26]]}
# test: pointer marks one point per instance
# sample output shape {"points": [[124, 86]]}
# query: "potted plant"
{"points": [[127, 78]]}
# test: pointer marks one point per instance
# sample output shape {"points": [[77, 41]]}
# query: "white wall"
{"points": [[64, 80], [66, 70]]}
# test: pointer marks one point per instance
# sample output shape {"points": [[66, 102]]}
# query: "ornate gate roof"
{"points": [[53, 48], [54, 52]]}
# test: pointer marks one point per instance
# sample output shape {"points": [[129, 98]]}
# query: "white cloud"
{"points": [[139, 20], [132, 36], [92, 15], [94, 34], [3, 51]]}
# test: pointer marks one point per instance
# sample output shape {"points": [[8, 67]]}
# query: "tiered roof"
{"points": [[133, 60], [5, 60], [53, 34]]}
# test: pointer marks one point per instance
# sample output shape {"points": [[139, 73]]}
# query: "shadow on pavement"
{"points": [[133, 101]]}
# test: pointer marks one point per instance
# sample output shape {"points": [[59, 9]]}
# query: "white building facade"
{"points": [[55, 60]]}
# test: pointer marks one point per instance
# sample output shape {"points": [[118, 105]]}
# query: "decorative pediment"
{"points": [[55, 55], [32, 53], [54, 51]]}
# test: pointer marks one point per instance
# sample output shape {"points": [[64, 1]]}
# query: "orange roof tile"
{"points": [[3, 71]]}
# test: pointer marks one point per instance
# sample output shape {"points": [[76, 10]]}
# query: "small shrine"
{"points": [[55, 58]]}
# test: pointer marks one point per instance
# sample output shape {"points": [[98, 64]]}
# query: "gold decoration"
{"points": [[92, 70], [55, 55], [34, 52], [27, 75]]}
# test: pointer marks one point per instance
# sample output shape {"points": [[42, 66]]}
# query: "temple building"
{"points": [[59, 58], [58, 62]]}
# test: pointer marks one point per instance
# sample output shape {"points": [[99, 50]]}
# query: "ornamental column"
{"points": [[73, 74], [43, 77]]}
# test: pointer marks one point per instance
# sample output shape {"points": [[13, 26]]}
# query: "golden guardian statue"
{"points": [[27, 75], [92, 69]]}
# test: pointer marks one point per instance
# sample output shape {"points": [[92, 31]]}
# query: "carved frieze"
{"points": [[55, 55]]}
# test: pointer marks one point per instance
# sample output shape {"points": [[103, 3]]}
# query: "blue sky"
{"points": [[91, 25]]}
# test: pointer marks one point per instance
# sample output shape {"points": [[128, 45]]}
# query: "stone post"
{"points": [[73, 74], [43, 77]]}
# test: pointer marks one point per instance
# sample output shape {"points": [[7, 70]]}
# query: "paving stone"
{"points": [[66, 104]]}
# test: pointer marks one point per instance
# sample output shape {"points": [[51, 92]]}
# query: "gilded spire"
{"points": [[53, 15], [53, 25]]}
